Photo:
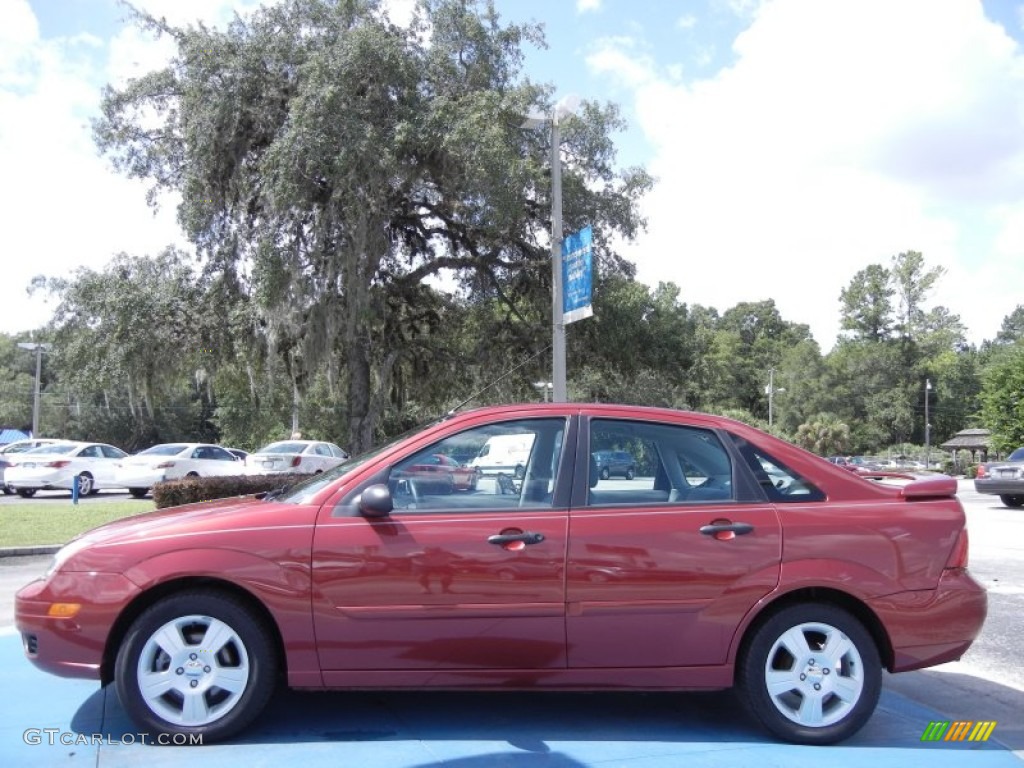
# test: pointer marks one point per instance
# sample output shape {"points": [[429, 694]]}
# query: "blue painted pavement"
{"points": [[87, 726]]}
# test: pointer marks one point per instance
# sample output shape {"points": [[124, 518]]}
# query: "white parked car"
{"points": [[10, 452], [55, 467], [309, 456], [169, 461]]}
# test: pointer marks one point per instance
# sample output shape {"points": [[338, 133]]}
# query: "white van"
{"points": [[505, 454]]}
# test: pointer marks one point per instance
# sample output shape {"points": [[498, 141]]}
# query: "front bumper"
{"points": [[929, 627], [71, 647]]}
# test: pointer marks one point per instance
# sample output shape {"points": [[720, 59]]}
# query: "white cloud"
{"points": [[842, 135], [587, 6], [67, 207], [689, 21]]}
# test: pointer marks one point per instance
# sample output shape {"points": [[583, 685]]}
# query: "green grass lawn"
{"points": [[57, 522]]}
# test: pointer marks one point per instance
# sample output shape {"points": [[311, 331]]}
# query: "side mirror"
{"points": [[376, 501]]}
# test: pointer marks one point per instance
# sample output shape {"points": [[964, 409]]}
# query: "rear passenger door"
{"points": [[663, 567]]}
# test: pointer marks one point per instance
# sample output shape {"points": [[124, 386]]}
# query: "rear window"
{"points": [[779, 482], [1017, 455]]}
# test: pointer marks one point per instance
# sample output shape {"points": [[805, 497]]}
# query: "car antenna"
{"points": [[507, 373]]}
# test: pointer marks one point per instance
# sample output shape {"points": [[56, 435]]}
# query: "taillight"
{"points": [[165, 465], [296, 461], [57, 464], [958, 557], [982, 470]]}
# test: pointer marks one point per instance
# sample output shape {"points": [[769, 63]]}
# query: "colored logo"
{"points": [[958, 730]]}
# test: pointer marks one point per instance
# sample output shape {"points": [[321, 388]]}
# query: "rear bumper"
{"points": [[930, 627], [999, 487]]}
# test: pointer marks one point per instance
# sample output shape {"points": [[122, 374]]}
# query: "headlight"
{"points": [[64, 554]]}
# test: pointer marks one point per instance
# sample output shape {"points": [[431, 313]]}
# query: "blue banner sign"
{"points": [[577, 276]]}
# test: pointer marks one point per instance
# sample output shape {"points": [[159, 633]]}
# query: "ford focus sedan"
{"points": [[373, 575]]}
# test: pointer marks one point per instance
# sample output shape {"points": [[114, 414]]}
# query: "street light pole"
{"points": [[558, 394], [38, 348], [565, 107]]}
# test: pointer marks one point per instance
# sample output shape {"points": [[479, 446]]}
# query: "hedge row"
{"points": [[189, 490]]}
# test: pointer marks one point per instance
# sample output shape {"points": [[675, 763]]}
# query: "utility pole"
{"points": [[927, 426], [38, 348]]}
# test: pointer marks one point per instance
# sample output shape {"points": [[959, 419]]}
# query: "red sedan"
{"points": [[442, 472], [799, 593]]}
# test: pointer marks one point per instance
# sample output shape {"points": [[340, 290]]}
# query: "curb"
{"points": [[45, 549]]}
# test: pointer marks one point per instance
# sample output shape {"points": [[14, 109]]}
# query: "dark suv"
{"points": [[615, 463]]}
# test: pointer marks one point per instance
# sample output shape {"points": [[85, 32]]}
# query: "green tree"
{"points": [[329, 162], [131, 346], [825, 435], [1002, 400], [866, 304]]}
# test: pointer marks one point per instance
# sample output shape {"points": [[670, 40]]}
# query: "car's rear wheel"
{"points": [[1012, 501], [138, 493], [519, 472], [85, 484], [198, 663], [7, 490], [26, 493], [811, 674]]}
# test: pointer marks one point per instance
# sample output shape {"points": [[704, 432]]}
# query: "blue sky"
{"points": [[794, 141]]}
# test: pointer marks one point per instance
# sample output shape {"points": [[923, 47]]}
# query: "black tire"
{"points": [[85, 484], [138, 493], [1012, 501], [26, 493], [605, 473], [630, 473], [520, 472], [247, 654], [7, 490], [797, 645]]}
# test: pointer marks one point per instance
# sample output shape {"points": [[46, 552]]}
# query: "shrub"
{"points": [[189, 490], [971, 472]]}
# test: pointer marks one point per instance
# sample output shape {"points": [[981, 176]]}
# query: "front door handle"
{"points": [[526, 537], [724, 531]]}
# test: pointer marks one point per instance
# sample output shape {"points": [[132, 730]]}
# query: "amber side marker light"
{"points": [[63, 610]]}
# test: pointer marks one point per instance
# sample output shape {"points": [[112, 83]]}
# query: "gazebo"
{"points": [[973, 440]]}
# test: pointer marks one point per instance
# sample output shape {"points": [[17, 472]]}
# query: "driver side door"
{"points": [[464, 580]]}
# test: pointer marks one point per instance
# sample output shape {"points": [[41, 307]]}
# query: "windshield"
{"points": [[283, 448], [171, 449], [1017, 455]]}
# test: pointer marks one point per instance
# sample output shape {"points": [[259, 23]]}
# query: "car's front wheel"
{"points": [[1012, 501], [26, 493], [811, 674], [138, 493], [196, 663], [630, 473]]}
